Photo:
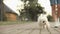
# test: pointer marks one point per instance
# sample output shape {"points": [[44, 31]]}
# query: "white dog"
{"points": [[43, 21]]}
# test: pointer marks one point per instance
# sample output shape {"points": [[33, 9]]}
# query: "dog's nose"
{"points": [[43, 21]]}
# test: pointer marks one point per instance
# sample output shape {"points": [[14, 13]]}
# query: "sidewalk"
{"points": [[31, 28]]}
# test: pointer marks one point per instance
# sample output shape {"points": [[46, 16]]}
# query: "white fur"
{"points": [[42, 18]]}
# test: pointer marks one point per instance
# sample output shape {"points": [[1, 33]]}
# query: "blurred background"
{"points": [[24, 10]]}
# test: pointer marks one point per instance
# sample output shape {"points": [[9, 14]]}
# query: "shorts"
{"points": [[54, 2]]}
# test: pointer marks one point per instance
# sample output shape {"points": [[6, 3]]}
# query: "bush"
{"points": [[50, 18]]}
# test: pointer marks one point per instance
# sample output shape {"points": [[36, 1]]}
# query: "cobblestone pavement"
{"points": [[29, 28]]}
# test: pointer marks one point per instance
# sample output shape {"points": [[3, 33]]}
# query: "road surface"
{"points": [[28, 28]]}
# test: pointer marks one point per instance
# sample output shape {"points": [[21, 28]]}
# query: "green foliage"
{"points": [[14, 22], [33, 9], [50, 18]]}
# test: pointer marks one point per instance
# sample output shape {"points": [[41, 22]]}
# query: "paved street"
{"points": [[28, 28]]}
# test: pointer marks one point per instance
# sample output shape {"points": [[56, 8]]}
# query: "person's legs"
{"points": [[58, 14], [53, 5], [58, 6], [54, 12]]}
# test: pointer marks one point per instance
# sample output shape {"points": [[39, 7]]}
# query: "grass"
{"points": [[14, 22]]}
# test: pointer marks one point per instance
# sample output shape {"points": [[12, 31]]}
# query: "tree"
{"points": [[32, 9], [2, 16]]}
